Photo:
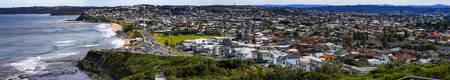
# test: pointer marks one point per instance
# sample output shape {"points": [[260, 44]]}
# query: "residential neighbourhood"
{"points": [[225, 40], [289, 37]]}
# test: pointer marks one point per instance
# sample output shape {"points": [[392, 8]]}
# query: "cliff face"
{"points": [[105, 65]]}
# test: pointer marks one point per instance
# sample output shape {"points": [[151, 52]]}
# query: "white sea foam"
{"points": [[91, 45], [29, 65], [106, 29], [109, 32], [118, 42], [37, 64], [65, 43]]}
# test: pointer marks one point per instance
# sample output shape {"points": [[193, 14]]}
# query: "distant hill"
{"points": [[293, 5], [59, 10], [431, 6], [318, 5], [386, 9]]}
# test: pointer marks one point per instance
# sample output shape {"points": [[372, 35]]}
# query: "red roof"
{"points": [[404, 54]]}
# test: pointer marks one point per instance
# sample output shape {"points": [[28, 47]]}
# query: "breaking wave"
{"points": [[106, 29], [39, 64], [118, 42], [65, 43], [93, 45], [36, 64]]}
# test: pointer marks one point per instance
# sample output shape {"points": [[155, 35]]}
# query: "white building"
{"points": [[289, 61], [315, 63], [244, 53]]}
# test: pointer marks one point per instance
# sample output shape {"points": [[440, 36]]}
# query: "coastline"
{"points": [[59, 55], [116, 26], [119, 27], [97, 74]]}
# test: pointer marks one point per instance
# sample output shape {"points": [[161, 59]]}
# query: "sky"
{"points": [[27, 3]]}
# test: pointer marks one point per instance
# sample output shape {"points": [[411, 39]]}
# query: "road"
{"points": [[151, 46]]}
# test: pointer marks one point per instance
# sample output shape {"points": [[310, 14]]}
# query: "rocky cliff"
{"points": [[105, 65]]}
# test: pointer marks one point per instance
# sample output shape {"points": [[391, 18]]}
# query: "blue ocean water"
{"points": [[43, 47]]}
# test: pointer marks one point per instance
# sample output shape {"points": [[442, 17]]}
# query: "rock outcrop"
{"points": [[105, 65]]}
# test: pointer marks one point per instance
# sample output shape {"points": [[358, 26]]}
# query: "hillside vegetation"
{"points": [[130, 66]]}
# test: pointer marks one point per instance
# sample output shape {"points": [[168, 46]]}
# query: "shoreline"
{"points": [[119, 28], [58, 61], [116, 26]]}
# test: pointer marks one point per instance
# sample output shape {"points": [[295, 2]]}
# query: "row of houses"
{"points": [[225, 47]]}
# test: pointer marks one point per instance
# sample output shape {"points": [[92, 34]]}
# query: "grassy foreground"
{"points": [[129, 66]]}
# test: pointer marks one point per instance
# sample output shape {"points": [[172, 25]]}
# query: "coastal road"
{"points": [[151, 45]]}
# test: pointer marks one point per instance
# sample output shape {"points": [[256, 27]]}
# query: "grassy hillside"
{"points": [[130, 66]]}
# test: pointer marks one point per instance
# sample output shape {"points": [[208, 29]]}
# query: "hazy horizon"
{"points": [[29, 3]]}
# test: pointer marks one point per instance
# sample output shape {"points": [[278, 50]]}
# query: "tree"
{"points": [[166, 42], [331, 67]]}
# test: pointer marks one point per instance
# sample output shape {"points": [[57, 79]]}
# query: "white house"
{"points": [[274, 53], [289, 61], [244, 53], [264, 55], [315, 63]]}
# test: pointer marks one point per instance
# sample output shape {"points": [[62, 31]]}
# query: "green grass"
{"points": [[174, 39], [184, 54], [129, 66]]}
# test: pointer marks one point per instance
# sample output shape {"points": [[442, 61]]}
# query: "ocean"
{"points": [[44, 47]]}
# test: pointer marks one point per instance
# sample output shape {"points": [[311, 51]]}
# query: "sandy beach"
{"points": [[126, 40], [116, 26], [127, 43]]}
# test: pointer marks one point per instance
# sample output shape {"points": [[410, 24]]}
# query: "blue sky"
{"points": [[25, 3]]}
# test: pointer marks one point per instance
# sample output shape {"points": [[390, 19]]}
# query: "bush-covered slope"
{"points": [[123, 65], [129, 66]]}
